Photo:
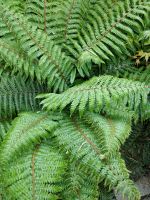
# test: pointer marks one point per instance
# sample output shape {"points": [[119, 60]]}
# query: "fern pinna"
{"points": [[70, 93]]}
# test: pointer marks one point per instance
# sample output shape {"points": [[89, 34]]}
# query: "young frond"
{"points": [[38, 174], [53, 65], [98, 93], [107, 31], [27, 129], [18, 94]]}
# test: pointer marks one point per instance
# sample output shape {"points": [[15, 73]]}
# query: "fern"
{"points": [[74, 58]]}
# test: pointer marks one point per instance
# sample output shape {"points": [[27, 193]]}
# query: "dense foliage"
{"points": [[75, 84]]}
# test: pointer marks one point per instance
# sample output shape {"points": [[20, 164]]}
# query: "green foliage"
{"points": [[75, 58]]}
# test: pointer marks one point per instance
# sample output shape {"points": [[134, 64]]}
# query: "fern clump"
{"points": [[70, 94]]}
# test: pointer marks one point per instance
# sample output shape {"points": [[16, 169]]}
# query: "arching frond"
{"points": [[98, 93], [27, 129], [18, 94], [36, 175]]}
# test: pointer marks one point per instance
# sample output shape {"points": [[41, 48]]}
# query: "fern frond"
{"points": [[18, 94], [98, 93], [145, 37], [38, 174], [94, 134], [54, 65], [27, 129], [106, 33], [16, 5]]}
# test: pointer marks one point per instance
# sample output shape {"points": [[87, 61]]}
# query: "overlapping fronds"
{"points": [[36, 175], [28, 129], [59, 19], [54, 65], [18, 94], [17, 5], [98, 93], [107, 31], [91, 137]]}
